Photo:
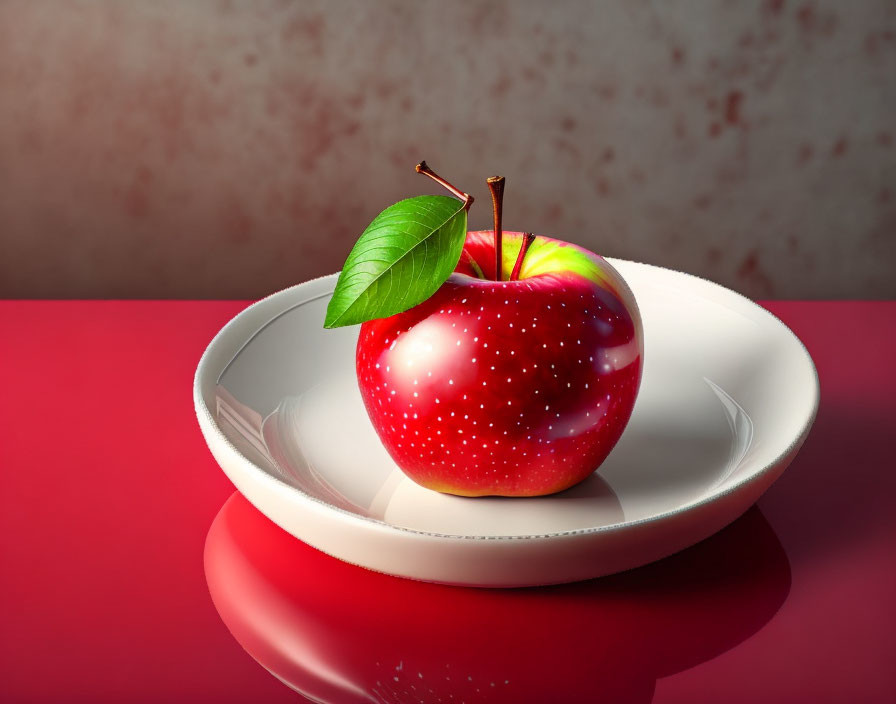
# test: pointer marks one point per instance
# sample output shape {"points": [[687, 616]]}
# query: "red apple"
{"points": [[512, 387]]}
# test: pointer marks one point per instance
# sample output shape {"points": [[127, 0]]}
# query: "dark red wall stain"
{"points": [[805, 154], [306, 30], [554, 211], [501, 86], [750, 271], [384, 89], [870, 45], [874, 40], [805, 16], [608, 156], [884, 139], [702, 202], [567, 124], [884, 196], [715, 129], [840, 147], [571, 148], [678, 56], [250, 60], [733, 103], [607, 91], [773, 7], [489, 19], [812, 22]]}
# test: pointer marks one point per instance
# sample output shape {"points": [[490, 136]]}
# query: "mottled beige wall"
{"points": [[227, 149]]}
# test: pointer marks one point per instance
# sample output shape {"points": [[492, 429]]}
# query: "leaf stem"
{"points": [[528, 238], [496, 186], [422, 168]]}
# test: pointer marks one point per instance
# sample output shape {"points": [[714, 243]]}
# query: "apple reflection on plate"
{"points": [[337, 633]]}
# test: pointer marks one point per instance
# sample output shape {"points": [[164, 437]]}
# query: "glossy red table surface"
{"points": [[112, 535]]}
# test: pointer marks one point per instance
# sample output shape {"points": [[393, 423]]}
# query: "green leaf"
{"points": [[400, 260]]}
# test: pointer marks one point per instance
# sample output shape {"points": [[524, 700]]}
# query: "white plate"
{"points": [[727, 397]]}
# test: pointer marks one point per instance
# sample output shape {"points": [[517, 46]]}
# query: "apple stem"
{"points": [[496, 186], [422, 168], [528, 238]]}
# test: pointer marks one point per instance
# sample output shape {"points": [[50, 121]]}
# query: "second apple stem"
{"points": [[528, 238], [496, 186]]}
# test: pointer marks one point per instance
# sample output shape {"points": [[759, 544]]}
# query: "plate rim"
{"points": [[208, 423]]}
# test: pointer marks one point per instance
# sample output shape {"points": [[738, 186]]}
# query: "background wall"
{"points": [[228, 149]]}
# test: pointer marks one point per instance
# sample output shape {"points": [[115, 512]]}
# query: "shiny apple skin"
{"points": [[511, 388]]}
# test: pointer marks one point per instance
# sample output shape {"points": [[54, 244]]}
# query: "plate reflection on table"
{"points": [[341, 634]]}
